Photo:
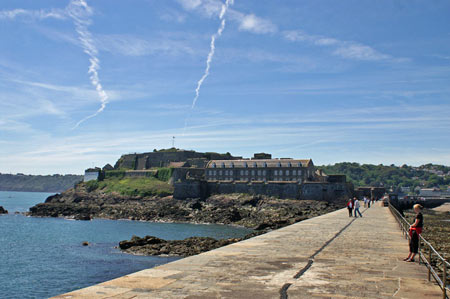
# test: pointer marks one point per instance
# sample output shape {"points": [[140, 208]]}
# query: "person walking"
{"points": [[350, 207], [414, 232], [365, 201], [356, 207], [368, 203]]}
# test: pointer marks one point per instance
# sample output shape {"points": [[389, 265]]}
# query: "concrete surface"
{"points": [[331, 256]]}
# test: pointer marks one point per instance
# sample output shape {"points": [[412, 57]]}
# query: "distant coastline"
{"points": [[38, 183]]}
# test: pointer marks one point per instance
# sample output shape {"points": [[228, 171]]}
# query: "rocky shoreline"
{"points": [[150, 245], [255, 212], [260, 213]]}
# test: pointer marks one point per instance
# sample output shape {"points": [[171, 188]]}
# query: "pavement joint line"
{"points": [[285, 287]]}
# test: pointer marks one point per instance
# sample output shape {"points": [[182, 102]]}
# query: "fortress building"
{"points": [[262, 170], [199, 175]]}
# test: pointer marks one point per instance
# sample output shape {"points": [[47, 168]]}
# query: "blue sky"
{"points": [[84, 81]]}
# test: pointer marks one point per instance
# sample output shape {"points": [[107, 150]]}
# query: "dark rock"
{"points": [[257, 212], [150, 245], [3, 211], [85, 243], [82, 217]]}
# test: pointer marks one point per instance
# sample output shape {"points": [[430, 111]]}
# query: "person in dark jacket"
{"points": [[414, 232], [350, 207]]}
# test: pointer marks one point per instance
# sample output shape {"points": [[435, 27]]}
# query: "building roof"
{"points": [[263, 163]]}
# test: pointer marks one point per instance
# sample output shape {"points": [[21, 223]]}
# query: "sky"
{"points": [[84, 81]]}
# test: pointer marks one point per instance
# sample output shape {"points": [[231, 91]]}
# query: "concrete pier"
{"points": [[331, 256]]}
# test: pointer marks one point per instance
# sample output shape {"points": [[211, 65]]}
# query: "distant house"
{"points": [[405, 190], [426, 192], [91, 174]]}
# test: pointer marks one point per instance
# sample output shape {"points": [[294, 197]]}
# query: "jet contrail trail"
{"points": [[80, 12], [212, 49], [210, 54]]}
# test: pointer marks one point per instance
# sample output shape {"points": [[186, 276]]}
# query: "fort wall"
{"points": [[292, 190], [164, 158]]}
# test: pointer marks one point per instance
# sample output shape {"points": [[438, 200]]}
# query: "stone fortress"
{"points": [[199, 175]]}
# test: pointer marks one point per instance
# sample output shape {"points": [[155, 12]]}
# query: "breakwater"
{"points": [[329, 255]]}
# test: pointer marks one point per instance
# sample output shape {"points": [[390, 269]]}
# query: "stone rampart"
{"points": [[190, 189], [292, 190], [325, 191], [164, 158], [278, 189]]}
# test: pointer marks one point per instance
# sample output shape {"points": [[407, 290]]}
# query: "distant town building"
{"points": [[405, 190], [434, 192]]}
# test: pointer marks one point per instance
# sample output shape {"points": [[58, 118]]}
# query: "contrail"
{"points": [[210, 54], [80, 12]]}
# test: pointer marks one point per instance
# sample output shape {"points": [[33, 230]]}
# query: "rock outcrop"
{"points": [[150, 245], [3, 211], [256, 212]]}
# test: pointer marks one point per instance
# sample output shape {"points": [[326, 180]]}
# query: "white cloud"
{"points": [[344, 49], [247, 22], [33, 14], [190, 4], [134, 46], [359, 52], [173, 16], [255, 24]]}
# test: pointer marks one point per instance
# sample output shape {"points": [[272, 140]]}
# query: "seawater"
{"points": [[44, 257]]}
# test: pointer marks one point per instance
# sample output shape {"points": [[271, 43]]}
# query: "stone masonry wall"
{"points": [[292, 190]]}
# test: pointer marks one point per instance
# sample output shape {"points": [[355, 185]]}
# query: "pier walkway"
{"points": [[331, 256]]}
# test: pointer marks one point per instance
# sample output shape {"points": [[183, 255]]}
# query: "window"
{"points": [[231, 172], [265, 164], [214, 165], [289, 164], [220, 172], [287, 172], [246, 172], [264, 172], [299, 172], [255, 165], [245, 165], [232, 165], [299, 164], [215, 172], [253, 173], [259, 172], [222, 165], [242, 172], [294, 172], [279, 164], [226, 172]]}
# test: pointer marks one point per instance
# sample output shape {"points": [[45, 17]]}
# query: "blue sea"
{"points": [[44, 257]]}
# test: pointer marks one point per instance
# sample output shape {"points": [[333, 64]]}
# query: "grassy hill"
{"points": [[425, 176]]}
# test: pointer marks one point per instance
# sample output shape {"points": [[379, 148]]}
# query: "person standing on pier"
{"points": [[414, 232], [357, 206], [350, 207]]}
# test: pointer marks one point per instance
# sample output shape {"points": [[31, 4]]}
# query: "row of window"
{"points": [[262, 179], [255, 165], [253, 172]]}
